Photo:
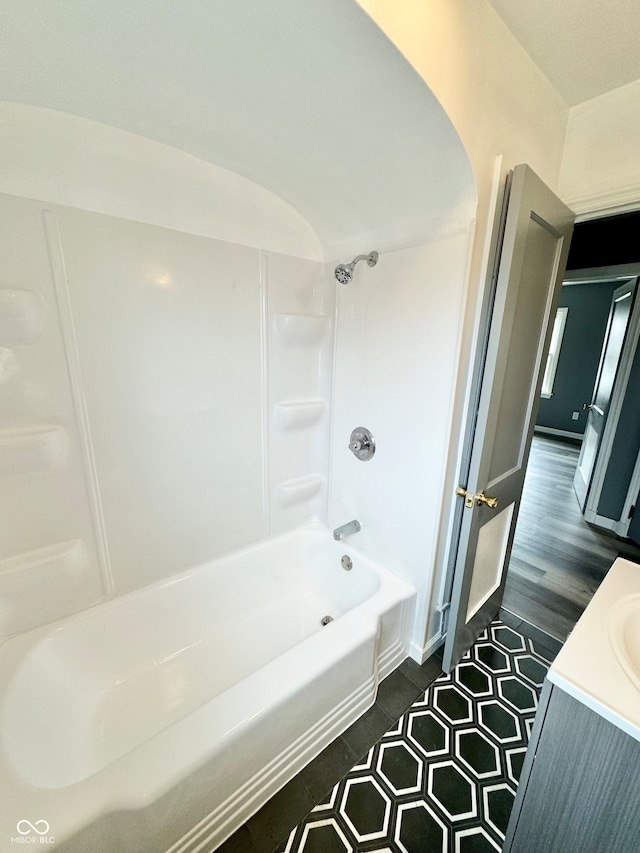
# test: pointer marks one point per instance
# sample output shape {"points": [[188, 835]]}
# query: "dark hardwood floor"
{"points": [[558, 560]]}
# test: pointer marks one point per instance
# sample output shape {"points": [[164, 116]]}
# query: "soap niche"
{"points": [[22, 317], [32, 448]]}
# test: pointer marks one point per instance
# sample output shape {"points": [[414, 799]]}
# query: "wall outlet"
{"points": [[575, 416]]}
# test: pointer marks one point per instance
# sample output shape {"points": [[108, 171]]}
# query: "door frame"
{"points": [[620, 273], [526, 190], [622, 527], [499, 205]]}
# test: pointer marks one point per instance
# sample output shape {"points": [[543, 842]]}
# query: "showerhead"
{"points": [[344, 272]]}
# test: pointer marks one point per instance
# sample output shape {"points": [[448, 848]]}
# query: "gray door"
{"points": [[634, 528], [599, 405], [532, 260]]}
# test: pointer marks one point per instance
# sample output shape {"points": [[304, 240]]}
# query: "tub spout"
{"points": [[346, 529]]}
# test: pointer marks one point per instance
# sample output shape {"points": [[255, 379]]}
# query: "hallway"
{"points": [[558, 560]]}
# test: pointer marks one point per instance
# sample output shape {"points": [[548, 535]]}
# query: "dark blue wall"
{"points": [[589, 306]]}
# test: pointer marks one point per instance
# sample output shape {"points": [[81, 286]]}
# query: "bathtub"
{"points": [[162, 720]]}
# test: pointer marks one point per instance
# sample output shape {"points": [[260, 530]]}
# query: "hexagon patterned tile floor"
{"points": [[443, 778]]}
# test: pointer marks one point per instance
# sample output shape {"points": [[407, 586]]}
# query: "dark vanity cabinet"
{"points": [[579, 790]]}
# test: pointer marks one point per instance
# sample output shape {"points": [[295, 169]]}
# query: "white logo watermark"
{"points": [[33, 833]]}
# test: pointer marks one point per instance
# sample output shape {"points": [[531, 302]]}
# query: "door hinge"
{"points": [[445, 612]]}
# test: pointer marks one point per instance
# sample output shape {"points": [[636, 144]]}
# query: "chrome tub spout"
{"points": [[346, 530]]}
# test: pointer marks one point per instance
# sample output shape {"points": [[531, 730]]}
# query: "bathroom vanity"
{"points": [[580, 784]]}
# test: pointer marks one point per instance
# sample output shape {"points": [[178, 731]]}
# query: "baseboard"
{"points": [[606, 523], [564, 433], [422, 653]]}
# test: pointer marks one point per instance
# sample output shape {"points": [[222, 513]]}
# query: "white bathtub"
{"points": [[162, 720]]}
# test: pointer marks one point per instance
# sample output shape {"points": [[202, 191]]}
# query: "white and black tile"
{"points": [[443, 778]]}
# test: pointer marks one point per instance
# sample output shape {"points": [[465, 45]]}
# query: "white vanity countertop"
{"points": [[588, 667]]}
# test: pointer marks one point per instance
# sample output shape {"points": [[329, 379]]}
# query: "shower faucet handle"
{"points": [[362, 444]]}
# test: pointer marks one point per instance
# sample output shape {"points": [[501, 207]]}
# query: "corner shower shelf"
{"points": [[302, 328], [298, 414], [297, 491], [21, 317], [42, 585], [34, 448], [60, 559]]}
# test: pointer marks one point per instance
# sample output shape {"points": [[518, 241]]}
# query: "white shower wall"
{"points": [[299, 311], [49, 545], [168, 331], [204, 371], [397, 342], [219, 400]]}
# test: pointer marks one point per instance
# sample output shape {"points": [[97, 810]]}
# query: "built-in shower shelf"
{"points": [[299, 413], [43, 584], [302, 328], [60, 558], [298, 491], [22, 317], [33, 448]]}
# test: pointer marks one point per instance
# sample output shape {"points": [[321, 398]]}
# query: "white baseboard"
{"points": [[605, 523], [565, 433], [422, 653]]}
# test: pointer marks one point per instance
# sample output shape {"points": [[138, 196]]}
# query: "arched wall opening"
{"points": [[268, 143]]}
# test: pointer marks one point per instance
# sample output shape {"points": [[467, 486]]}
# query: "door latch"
{"points": [[479, 499]]}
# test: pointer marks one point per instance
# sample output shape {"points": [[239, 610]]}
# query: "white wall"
{"points": [[398, 335], [601, 161], [502, 106], [497, 98]]}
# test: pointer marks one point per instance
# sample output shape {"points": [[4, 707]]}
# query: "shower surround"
{"points": [[185, 389], [197, 386], [180, 377]]}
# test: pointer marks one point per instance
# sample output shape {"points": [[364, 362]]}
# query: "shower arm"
{"points": [[370, 258]]}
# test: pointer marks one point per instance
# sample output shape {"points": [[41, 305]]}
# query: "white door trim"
{"points": [[615, 408]]}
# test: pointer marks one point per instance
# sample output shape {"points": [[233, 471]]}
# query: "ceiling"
{"points": [[307, 98], [584, 47]]}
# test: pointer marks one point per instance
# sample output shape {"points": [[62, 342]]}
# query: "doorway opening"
{"points": [[558, 559], [560, 555]]}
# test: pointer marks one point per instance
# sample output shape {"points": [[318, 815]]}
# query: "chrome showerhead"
{"points": [[344, 272]]}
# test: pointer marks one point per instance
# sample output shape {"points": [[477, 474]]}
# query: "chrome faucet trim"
{"points": [[346, 529]]}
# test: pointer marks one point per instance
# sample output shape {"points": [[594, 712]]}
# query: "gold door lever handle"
{"points": [[479, 499]]}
